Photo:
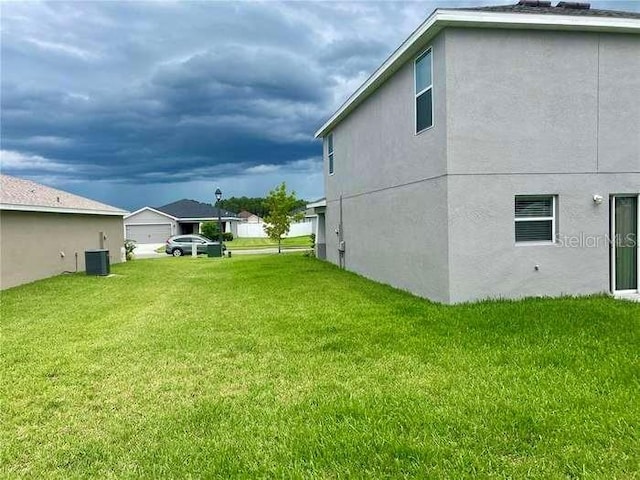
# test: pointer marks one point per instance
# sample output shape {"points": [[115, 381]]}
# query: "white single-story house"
{"points": [[46, 231], [155, 225]]}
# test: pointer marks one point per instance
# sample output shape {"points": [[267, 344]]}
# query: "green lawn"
{"points": [[256, 243], [284, 366]]}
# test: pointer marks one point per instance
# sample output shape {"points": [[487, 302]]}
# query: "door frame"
{"points": [[612, 241]]}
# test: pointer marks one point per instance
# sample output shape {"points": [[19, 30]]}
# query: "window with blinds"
{"points": [[535, 218]]}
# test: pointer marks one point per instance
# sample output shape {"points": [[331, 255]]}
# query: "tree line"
{"points": [[258, 205]]}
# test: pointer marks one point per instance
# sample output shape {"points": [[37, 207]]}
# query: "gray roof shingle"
{"points": [[191, 209], [21, 194], [552, 10], [246, 214]]}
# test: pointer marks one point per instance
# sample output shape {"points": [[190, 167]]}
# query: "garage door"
{"points": [[153, 233]]}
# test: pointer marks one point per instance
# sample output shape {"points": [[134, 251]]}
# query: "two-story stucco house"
{"points": [[495, 153]]}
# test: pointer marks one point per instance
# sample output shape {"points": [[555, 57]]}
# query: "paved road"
{"points": [[258, 251], [148, 250]]}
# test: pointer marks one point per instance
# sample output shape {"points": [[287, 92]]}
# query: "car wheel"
{"points": [[176, 252]]}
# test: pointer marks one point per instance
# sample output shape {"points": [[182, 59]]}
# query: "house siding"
{"points": [[387, 175], [516, 112], [619, 104], [533, 112], [485, 261], [521, 101], [31, 243]]}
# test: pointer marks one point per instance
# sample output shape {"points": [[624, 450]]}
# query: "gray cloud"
{"points": [[136, 101]]}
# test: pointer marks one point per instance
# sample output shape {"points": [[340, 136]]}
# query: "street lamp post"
{"points": [[218, 198]]}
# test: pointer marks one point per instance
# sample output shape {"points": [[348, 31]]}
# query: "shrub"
{"points": [[311, 253], [129, 247], [210, 230]]}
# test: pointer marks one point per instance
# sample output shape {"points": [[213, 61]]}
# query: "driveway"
{"points": [[148, 250]]}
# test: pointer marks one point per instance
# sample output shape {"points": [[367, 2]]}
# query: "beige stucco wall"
{"points": [[31, 242]]}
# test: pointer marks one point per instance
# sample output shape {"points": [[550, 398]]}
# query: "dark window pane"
{"points": [[331, 163], [626, 210], [424, 118], [534, 231], [330, 143], [423, 72], [534, 207]]}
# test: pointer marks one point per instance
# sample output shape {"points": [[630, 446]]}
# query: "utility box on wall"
{"points": [[97, 262]]}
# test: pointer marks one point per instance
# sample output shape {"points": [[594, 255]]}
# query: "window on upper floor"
{"points": [[330, 152], [423, 91], [535, 218]]}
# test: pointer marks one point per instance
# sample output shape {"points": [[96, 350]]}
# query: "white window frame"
{"points": [[553, 218], [417, 94], [330, 155]]}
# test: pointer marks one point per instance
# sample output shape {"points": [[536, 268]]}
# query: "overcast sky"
{"points": [[144, 103]]}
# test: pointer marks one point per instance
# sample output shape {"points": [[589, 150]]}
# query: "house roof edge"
{"points": [[47, 209], [442, 18]]}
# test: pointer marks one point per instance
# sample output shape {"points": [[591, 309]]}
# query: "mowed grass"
{"points": [[284, 366], [256, 243]]}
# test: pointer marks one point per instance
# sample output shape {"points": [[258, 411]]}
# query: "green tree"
{"points": [[211, 230], [280, 206]]}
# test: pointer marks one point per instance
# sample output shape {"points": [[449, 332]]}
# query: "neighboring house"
{"points": [[316, 212], [493, 154], [248, 217], [155, 225], [45, 232], [300, 215]]}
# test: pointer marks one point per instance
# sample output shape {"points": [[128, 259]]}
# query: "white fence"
{"points": [[256, 230]]}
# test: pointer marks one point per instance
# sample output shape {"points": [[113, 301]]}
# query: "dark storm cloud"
{"points": [[131, 91], [354, 57], [172, 92], [245, 72]]}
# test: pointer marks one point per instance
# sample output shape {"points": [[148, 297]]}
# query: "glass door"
{"points": [[625, 242]]}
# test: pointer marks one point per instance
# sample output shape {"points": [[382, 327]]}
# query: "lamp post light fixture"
{"points": [[218, 198]]}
